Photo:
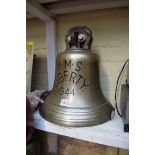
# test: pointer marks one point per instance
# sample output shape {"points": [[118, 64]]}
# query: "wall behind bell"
{"points": [[35, 30], [110, 29]]}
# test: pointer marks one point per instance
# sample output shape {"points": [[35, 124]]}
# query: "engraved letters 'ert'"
{"points": [[76, 99]]}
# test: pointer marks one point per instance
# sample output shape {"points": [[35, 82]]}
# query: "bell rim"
{"points": [[74, 120]]}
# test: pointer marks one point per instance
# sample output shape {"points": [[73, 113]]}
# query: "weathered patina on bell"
{"points": [[76, 99]]}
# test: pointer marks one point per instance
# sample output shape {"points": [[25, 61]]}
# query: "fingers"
{"points": [[38, 99], [34, 98], [34, 101], [38, 92]]}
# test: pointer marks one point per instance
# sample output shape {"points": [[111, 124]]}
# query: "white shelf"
{"points": [[110, 133]]}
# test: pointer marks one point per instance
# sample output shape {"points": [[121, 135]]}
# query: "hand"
{"points": [[34, 98]]}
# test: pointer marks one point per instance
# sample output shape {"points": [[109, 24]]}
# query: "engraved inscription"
{"points": [[70, 71]]}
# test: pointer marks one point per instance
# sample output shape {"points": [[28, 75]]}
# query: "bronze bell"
{"points": [[76, 99]]}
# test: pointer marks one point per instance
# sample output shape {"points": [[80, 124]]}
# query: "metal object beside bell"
{"points": [[76, 99]]}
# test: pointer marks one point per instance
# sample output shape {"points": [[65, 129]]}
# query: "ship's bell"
{"points": [[76, 99]]}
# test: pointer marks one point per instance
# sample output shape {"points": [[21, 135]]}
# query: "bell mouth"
{"points": [[77, 117]]}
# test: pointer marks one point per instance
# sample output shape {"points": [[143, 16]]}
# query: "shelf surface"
{"points": [[110, 133]]}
